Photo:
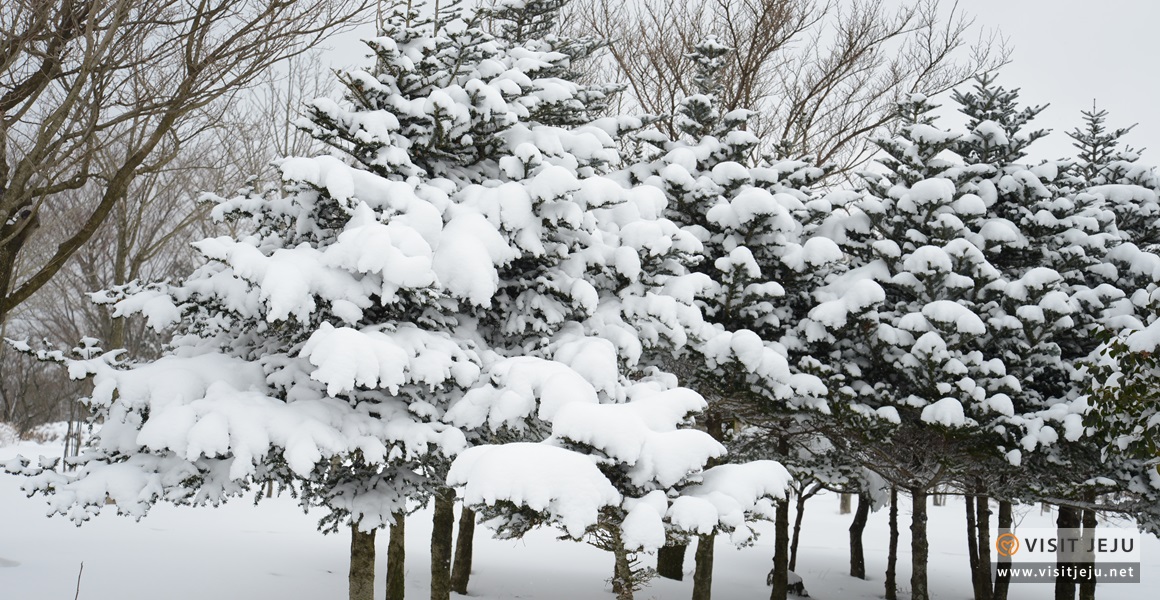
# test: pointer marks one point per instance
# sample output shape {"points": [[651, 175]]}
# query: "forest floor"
{"points": [[273, 550]]}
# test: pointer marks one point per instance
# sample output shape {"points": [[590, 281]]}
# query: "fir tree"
{"points": [[758, 226], [1113, 174], [905, 317], [325, 346]]}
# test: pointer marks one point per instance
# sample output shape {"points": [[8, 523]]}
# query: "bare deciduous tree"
{"points": [[145, 237], [93, 93], [822, 76]]}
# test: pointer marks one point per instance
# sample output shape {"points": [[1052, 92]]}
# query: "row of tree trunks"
{"points": [[444, 579], [1074, 518], [979, 544], [450, 576]]}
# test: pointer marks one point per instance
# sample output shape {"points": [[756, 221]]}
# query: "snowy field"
{"points": [[273, 550]]}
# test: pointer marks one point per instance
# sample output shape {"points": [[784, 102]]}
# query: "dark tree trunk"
{"points": [[671, 561], [442, 533], [621, 570], [1087, 585], [1005, 521], [857, 555], [973, 545], [779, 578], [800, 507], [979, 543], [464, 546], [396, 557], [1064, 584], [919, 547], [703, 575], [983, 502], [892, 550], [362, 564]]}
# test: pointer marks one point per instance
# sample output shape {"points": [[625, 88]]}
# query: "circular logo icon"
{"points": [[1007, 544]]}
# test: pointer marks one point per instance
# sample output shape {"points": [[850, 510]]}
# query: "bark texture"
{"points": [[1064, 584], [622, 571], [1087, 586], [892, 551], [362, 564], [799, 512], [671, 561], [972, 544], [396, 557], [919, 546], [1005, 521], [983, 525], [464, 549], [857, 554], [780, 576], [442, 532], [703, 575]]}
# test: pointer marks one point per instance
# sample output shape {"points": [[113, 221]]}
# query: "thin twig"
{"points": [[79, 573]]}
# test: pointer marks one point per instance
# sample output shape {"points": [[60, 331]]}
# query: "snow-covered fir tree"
{"points": [[456, 271], [906, 317], [1044, 247], [1107, 168], [758, 222]]}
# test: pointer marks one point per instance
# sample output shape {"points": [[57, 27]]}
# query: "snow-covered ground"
{"points": [[272, 550]]}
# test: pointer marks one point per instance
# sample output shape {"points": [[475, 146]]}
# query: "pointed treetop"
{"points": [[1099, 147], [995, 123]]}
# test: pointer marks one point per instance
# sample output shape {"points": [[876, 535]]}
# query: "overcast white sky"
{"points": [[1066, 53], [1069, 52]]}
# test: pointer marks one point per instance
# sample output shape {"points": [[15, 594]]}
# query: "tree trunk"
{"points": [[844, 504], [857, 555], [1005, 521], [919, 547], [973, 545], [396, 557], [671, 561], [622, 570], [362, 564], [1087, 585], [442, 532], [983, 502], [703, 575], [892, 551], [1065, 584], [800, 507], [464, 546], [779, 578]]}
